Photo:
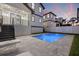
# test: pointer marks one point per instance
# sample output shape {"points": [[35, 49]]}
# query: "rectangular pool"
{"points": [[49, 37]]}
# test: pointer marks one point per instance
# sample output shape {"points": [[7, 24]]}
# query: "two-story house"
{"points": [[60, 21], [49, 20], [73, 21], [20, 15], [14, 18], [36, 21], [18, 19]]}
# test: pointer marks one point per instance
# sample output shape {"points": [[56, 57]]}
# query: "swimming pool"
{"points": [[49, 37]]}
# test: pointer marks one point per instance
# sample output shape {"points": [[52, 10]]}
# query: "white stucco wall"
{"points": [[66, 29], [50, 24]]}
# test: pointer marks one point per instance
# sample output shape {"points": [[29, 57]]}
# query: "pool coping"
{"points": [[64, 33]]}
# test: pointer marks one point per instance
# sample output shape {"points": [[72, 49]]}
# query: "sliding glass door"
{"points": [[15, 19]]}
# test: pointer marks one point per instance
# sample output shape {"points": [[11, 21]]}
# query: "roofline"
{"points": [[26, 4], [51, 13], [37, 15], [42, 5]]}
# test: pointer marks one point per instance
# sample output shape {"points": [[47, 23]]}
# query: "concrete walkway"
{"points": [[31, 46]]}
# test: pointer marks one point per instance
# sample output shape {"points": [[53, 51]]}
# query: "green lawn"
{"points": [[75, 46]]}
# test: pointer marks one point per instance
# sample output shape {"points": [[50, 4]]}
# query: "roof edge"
{"points": [[42, 5], [50, 12], [28, 7]]}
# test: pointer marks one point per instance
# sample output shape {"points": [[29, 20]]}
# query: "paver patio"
{"points": [[33, 46]]}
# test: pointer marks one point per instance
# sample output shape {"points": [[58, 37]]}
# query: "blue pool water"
{"points": [[49, 37]]}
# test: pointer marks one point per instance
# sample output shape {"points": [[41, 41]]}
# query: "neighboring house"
{"points": [[60, 19], [36, 21], [61, 22], [16, 15], [65, 23], [49, 20], [57, 22], [78, 14], [73, 21]]}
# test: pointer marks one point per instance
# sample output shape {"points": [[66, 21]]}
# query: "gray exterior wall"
{"points": [[36, 9], [36, 30], [36, 22], [21, 30]]}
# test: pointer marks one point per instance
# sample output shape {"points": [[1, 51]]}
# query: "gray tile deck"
{"points": [[37, 47]]}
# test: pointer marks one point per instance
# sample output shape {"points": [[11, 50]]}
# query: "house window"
{"points": [[33, 5], [15, 19], [24, 19], [33, 19], [51, 15], [43, 17], [40, 9], [6, 17], [40, 20], [48, 15]]}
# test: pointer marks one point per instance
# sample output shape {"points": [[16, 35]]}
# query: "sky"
{"points": [[65, 10]]}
